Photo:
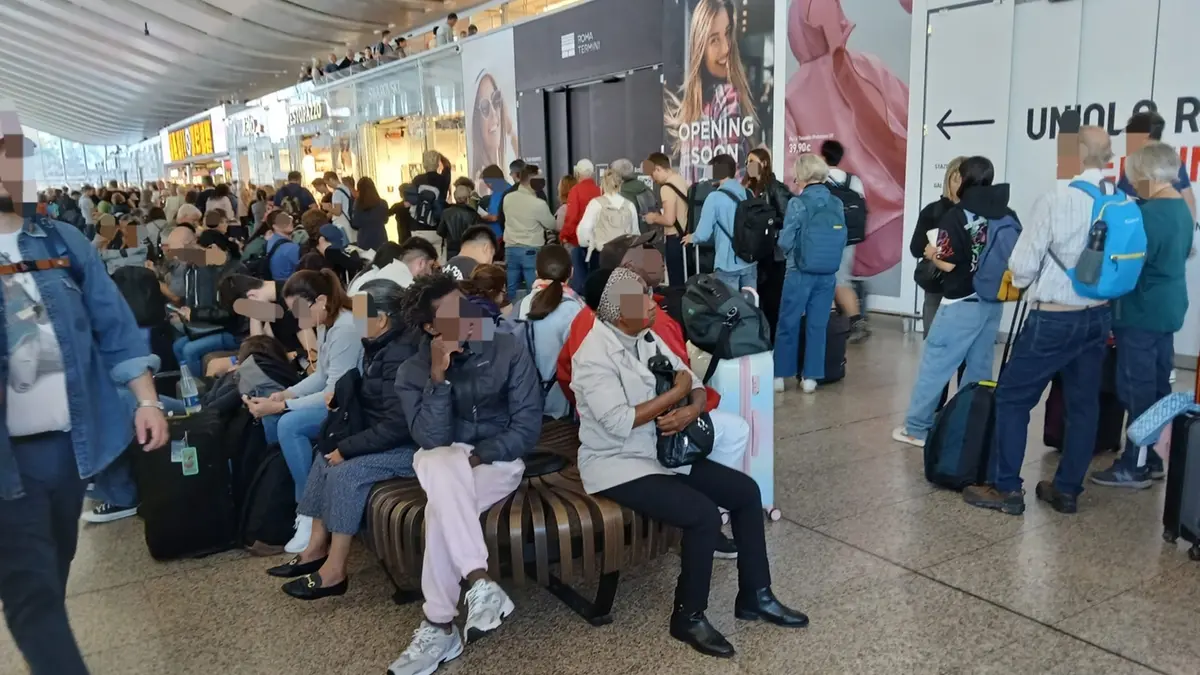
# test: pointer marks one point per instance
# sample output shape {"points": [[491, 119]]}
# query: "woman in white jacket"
{"points": [[606, 217]]}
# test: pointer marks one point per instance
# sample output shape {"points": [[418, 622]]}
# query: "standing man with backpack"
{"points": [[849, 189], [341, 203], [672, 194], [1065, 333], [644, 201], [718, 221], [293, 198]]}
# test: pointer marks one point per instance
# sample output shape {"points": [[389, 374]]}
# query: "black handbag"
{"points": [[928, 276], [346, 418], [696, 441]]}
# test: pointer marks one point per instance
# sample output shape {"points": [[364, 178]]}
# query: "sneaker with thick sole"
{"points": [[487, 607], [901, 435], [780, 385], [430, 648], [726, 549], [299, 541], [106, 513], [1121, 477]]}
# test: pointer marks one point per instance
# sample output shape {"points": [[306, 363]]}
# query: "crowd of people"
{"points": [[493, 311], [388, 48]]}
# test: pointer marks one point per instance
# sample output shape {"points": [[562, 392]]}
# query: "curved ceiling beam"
{"points": [[50, 104], [195, 13], [35, 112], [37, 24], [25, 82], [165, 52], [304, 14]]}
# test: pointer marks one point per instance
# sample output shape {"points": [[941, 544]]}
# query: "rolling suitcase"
{"points": [[186, 497], [1110, 432], [1181, 507], [837, 335], [746, 386]]}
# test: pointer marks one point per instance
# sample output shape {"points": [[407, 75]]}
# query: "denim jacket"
{"points": [[102, 349]]}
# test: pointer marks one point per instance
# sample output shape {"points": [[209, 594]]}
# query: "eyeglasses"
{"points": [[486, 106]]}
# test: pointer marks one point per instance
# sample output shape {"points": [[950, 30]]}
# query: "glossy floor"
{"points": [[898, 578]]}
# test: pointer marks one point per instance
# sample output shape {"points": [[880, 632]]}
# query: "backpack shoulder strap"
{"points": [[1087, 188], [547, 384], [62, 250], [736, 199]]}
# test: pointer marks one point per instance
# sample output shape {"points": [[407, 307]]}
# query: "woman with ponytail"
{"points": [[293, 417], [549, 311]]}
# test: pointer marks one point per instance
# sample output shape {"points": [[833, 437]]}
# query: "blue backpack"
{"points": [[822, 240], [992, 266], [1124, 244]]}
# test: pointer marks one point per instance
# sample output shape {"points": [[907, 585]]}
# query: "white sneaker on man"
{"points": [[808, 385], [107, 513], [299, 541], [780, 385], [430, 647], [487, 607]]}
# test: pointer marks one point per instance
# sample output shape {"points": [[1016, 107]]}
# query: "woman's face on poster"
{"points": [[717, 47], [489, 107]]}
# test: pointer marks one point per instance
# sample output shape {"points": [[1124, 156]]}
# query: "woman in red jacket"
{"points": [[577, 200]]}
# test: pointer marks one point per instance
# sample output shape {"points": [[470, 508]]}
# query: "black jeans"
{"points": [[673, 254], [690, 502], [40, 531]]}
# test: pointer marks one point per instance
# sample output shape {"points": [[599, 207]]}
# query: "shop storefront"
{"points": [[312, 146], [197, 147]]}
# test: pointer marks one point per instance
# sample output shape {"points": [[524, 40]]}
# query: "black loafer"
{"points": [[308, 587], [696, 631], [294, 568], [762, 604]]}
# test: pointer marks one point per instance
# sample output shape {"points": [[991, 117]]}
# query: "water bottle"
{"points": [[188, 392], [1091, 261]]}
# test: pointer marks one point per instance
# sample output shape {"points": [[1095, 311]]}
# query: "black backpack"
{"points": [[854, 206], [291, 206], [722, 322], [260, 267], [756, 227], [263, 489], [140, 288], [645, 203]]}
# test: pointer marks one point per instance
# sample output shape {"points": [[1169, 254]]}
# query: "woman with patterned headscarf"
{"points": [[621, 417]]}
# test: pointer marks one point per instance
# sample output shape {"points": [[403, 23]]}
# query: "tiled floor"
{"points": [[897, 576]]}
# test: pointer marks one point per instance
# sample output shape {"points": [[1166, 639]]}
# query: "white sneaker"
{"points": [[901, 435], [487, 607], [780, 384], [1174, 375], [430, 647], [299, 542], [808, 385], [106, 513]]}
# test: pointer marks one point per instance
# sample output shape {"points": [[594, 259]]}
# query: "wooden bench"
{"points": [[549, 530]]}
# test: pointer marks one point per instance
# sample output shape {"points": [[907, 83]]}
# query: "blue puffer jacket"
{"points": [[491, 399]]}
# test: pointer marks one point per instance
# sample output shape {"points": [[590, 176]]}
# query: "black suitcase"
{"points": [[186, 515], [959, 445], [836, 337], [1181, 507], [1110, 433]]}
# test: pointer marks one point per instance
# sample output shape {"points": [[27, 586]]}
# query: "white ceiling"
{"points": [[87, 71]]}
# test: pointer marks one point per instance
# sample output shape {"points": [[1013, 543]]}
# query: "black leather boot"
{"points": [[762, 604], [695, 630]]}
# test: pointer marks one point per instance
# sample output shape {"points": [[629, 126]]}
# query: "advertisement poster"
{"points": [[719, 80], [846, 78], [489, 80]]}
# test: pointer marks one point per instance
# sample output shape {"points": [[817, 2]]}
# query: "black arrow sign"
{"points": [[942, 124]]}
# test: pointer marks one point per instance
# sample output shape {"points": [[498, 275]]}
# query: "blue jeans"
{"points": [[1070, 344], [295, 431], [803, 294], [192, 352], [579, 268], [1144, 360], [41, 530], [746, 277], [521, 264], [964, 331]]}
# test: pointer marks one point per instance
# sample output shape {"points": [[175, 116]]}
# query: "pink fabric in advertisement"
{"points": [[854, 98]]}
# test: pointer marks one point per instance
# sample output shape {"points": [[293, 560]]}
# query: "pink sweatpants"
{"points": [[454, 544]]}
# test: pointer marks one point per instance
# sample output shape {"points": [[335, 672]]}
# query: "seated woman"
{"points": [[488, 287], [346, 468], [471, 398], [549, 310], [620, 420], [292, 418]]}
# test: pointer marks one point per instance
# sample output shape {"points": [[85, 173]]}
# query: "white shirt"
{"points": [[37, 385], [838, 176], [445, 34], [341, 197], [1060, 220], [86, 207], [591, 214]]}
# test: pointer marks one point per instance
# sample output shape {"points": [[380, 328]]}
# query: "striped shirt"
{"points": [[1060, 222]]}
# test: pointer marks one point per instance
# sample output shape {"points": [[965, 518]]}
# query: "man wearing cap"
{"points": [[332, 243], [62, 409], [577, 200], [636, 253]]}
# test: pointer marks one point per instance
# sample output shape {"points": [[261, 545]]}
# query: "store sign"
{"points": [[306, 112], [249, 127], [195, 140]]}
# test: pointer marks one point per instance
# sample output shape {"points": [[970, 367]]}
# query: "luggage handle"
{"points": [[1012, 335]]}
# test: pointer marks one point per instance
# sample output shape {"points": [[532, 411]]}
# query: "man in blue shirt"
{"points": [[296, 191], [1143, 128], [284, 253], [716, 225]]}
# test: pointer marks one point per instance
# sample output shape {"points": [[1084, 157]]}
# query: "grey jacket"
{"points": [[339, 350], [609, 382], [491, 399]]}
